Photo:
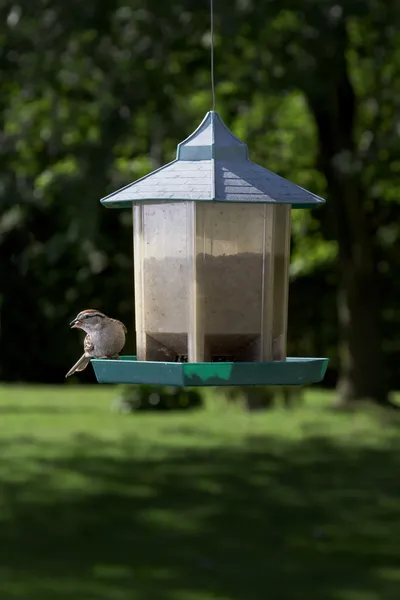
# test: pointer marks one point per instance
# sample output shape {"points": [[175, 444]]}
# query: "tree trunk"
{"points": [[362, 371]]}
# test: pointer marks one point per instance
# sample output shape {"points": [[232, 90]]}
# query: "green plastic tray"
{"points": [[292, 371]]}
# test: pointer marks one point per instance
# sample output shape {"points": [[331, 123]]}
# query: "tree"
{"points": [[87, 90], [309, 49]]}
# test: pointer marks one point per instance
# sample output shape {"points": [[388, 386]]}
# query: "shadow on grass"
{"points": [[45, 409], [273, 519]]}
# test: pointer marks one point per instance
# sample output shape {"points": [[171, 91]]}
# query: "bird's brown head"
{"points": [[88, 320]]}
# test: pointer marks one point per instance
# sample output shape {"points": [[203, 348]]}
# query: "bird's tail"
{"points": [[79, 366]]}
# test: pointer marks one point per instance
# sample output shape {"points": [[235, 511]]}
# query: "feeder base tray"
{"points": [[292, 371]]}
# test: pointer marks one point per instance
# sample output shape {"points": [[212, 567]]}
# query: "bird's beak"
{"points": [[75, 324]]}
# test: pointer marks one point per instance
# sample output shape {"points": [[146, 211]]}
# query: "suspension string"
{"points": [[212, 53]]}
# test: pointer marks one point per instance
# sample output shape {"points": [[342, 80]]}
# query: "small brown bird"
{"points": [[105, 337]]}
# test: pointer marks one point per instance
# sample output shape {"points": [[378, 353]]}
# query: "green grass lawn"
{"points": [[209, 505]]}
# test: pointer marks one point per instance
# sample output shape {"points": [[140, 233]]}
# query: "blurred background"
{"points": [[100, 505], [96, 95]]}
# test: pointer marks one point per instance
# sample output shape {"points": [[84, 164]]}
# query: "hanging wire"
{"points": [[212, 53]]}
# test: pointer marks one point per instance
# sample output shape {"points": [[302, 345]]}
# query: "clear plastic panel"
{"points": [[234, 282], [281, 280], [164, 263]]}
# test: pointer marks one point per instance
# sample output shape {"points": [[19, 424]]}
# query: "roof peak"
{"points": [[212, 165], [212, 140]]}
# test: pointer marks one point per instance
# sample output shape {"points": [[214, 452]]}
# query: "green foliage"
{"points": [[135, 398], [95, 95]]}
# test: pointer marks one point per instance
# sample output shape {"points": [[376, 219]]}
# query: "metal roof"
{"points": [[212, 165]]}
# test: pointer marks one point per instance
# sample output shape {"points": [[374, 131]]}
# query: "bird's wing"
{"points": [[120, 323], [88, 344]]}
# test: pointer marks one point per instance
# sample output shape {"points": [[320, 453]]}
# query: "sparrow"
{"points": [[105, 337]]}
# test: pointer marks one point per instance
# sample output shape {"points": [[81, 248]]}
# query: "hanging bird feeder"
{"points": [[211, 261]]}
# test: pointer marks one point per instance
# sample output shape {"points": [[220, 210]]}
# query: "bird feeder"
{"points": [[211, 261]]}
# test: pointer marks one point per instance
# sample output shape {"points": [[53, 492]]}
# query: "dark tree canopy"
{"points": [[94, 95]]}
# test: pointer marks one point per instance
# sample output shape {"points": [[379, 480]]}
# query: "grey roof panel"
{"points": [[212, 164]]}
